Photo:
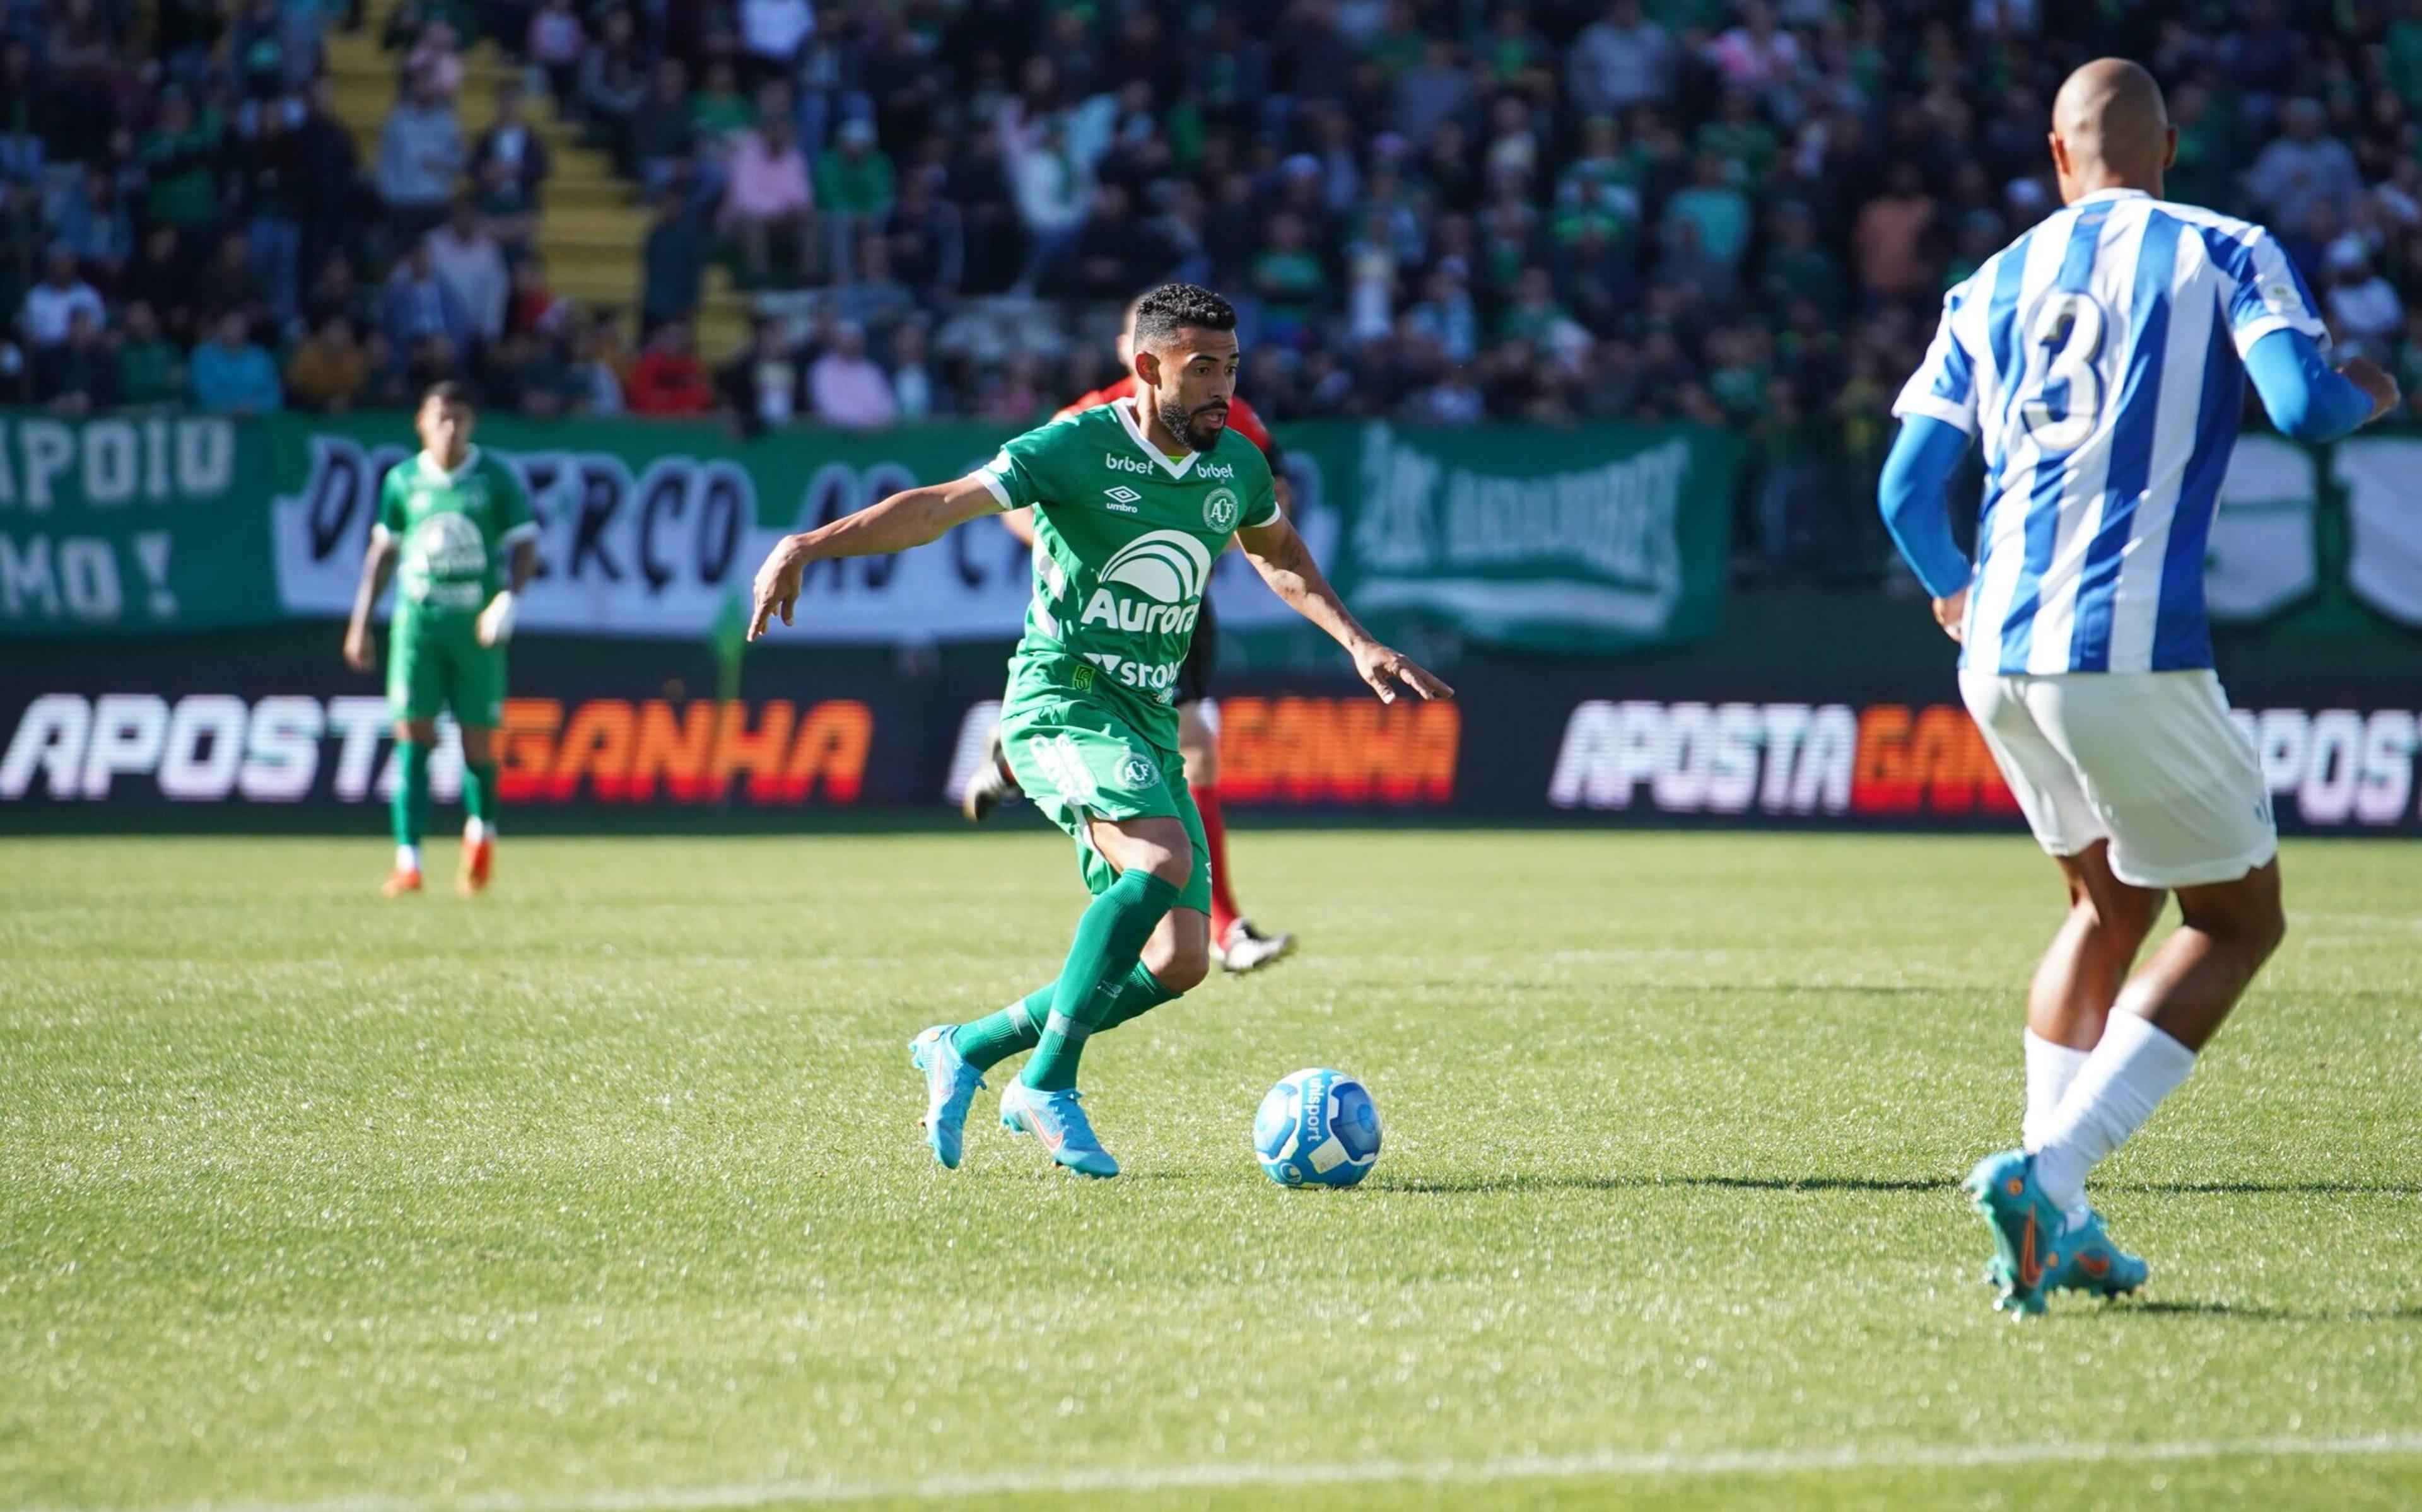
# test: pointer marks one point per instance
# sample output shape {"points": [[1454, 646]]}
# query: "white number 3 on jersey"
{"points": [[2070, 329]]}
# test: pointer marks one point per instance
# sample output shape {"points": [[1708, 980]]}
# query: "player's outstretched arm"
{"points": [[376, 563], [1285, 562], [911, 518], [1909, 493]]}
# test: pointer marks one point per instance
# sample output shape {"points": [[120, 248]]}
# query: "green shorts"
{"points": [[434, 661], [1079, 760]]}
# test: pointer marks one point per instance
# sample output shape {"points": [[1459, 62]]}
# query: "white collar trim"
{"points": [[1126, 409], [428, 467]]}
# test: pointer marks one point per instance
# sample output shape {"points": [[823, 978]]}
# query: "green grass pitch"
{"points": [[602, 1193]]}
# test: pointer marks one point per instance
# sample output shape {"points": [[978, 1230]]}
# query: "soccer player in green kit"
{"points": [[447, 515], [1134, 500]]}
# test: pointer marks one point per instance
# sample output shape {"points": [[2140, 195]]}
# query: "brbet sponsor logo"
{"points": [[283, 749], [1117, 463], [1697, 759]]}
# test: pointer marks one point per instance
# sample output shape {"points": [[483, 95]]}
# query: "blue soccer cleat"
{"points": [[2036, 1250], [2024, 1224], [2090, 1263], [951, 1084], [1058, 1119]]}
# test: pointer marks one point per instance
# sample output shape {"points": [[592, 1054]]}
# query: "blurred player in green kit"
{"points": [[1133, 500], [456, 527]]}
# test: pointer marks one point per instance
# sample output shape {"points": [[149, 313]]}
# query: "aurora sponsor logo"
{"points": [[1164, 573]]}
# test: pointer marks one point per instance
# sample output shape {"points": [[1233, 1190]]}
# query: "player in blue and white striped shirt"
{"points": [[2101, 359]]}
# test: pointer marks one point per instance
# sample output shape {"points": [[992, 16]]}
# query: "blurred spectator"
{"points": [[914, 386], [2364, 309], [511, 144], [769, 199], [79, 375], [664, 138], [667, 379], [435, 66], [94, 225], [925, 240], [1891, 236], [672, 260], [164, 274], [852, 189], [420, 156], [614, 84], [229, 284], [1054, 189], [150, 367], [762, 386], [773, 33], [845, 386], [1620, 61], [1716, 210], [328, 179], [329, 369], [53, 304], [416, 304], [269, 190], [2305, 172], [1757, 56], [875, 299], [180, 157], [233, 375], [557, 42], [504, 212], [533, 307], [1014, 396], [467, 262]]}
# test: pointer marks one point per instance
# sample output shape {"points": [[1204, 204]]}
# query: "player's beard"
{"points": [[1183, 424]]}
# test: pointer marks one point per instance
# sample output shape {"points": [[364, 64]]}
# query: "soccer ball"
{"points": [[1317, 1129]]}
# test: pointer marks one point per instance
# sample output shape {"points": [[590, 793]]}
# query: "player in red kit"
{"points": [[1234, 943]]}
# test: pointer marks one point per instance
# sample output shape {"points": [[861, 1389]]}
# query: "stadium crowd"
{"points": [[1742, 211]]}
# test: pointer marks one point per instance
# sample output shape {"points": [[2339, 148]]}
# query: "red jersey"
{"points": [[1241, 418]]}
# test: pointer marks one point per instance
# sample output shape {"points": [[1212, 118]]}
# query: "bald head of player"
{"points": [[2111, 130]]}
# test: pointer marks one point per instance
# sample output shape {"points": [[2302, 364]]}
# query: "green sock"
{"points": [[997, 1037], [480, 794], [1139, 994], [1109, 938], [410, 807]]}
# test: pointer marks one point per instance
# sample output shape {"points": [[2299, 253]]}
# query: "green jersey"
{"points": [[1123, 541], [452, 530]]}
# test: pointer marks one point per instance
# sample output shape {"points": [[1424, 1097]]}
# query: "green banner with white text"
{"points": [[1573, 539], [134, 525]]}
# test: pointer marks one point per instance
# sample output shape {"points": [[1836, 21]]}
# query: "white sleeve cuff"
{"points": [[526, 530], [2262, 325], [993, 484], [380, 535]]}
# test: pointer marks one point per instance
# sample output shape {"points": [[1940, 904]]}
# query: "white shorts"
{"points": [[2147, 760]]}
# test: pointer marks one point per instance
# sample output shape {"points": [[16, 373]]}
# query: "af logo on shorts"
{"points": [[1135, 772], [1220, 508]]}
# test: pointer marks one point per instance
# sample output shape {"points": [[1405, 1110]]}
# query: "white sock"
{"points": [[407, 858], [2126, 1078], [2050, 1068], [477, 829]]}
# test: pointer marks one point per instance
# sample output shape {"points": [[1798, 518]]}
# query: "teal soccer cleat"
{"points": [[2036, 1251], [1058, 1119], [951, 1084]]}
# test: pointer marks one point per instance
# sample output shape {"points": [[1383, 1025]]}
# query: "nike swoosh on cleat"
{"points": [[2030, 1269], [2093, 1265]]}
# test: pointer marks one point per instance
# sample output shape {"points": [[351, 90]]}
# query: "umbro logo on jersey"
{"points": [[1117, 463], [1122, 498]]}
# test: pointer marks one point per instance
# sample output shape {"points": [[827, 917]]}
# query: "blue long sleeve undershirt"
{"points": [[2304, 397]]}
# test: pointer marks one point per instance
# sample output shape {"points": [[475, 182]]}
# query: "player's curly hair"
{"points": [[1171, 308]]}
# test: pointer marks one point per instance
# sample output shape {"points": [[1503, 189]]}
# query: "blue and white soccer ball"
{"points": [[1317, 1129]]}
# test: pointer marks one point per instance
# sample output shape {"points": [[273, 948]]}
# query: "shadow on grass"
{"points": [[1514, 1185], [2266, 1312], [2299, 1188]]}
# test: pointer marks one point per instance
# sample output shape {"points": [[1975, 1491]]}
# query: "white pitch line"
{"points": [[1642, 1464]]}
